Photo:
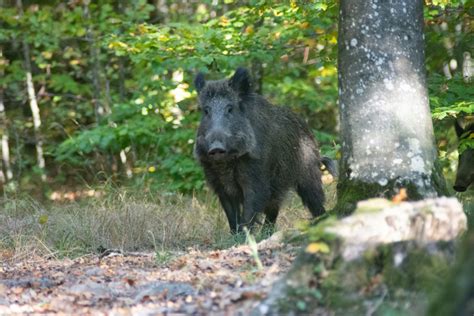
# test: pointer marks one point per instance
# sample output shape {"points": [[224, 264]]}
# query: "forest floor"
{"points": [[218, 282], [50, 261]]}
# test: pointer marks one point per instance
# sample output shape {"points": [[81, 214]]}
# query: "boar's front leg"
{"points": [[255, 199], [256, 193], [231, 206]]}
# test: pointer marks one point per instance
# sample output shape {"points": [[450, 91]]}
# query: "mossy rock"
{"points": [[393, 276]]}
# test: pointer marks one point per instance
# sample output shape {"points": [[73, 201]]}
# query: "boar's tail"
{"points": [[331, 165]]}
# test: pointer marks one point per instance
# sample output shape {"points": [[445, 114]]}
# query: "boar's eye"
{"points": [[206, 110], [229, 108]]}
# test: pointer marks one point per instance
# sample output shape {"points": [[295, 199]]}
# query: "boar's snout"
{"points": [[465, 173], [216, 149]]}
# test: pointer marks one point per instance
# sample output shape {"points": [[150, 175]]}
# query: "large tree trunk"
{"points": [[35, 111], [387, 133]]}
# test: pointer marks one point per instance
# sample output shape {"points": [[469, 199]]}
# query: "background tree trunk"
{"points": [[35, 111], [6, 173], [101, 105], [386, 127], [126, 163], [94, 55]]}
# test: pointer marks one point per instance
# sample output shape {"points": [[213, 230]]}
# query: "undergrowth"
{"points": [[126, 220]]}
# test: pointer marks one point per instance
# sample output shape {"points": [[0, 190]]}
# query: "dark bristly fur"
{"points": [[465, 173], [253, 152]]}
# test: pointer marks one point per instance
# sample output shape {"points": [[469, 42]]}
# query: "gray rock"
{"points": [[170, 290], [29, 282], [98, 290]]}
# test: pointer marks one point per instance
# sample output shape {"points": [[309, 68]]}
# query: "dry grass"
{"points": [[120, 220]]}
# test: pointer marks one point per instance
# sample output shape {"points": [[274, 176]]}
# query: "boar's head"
{"points": [[225, 131]]}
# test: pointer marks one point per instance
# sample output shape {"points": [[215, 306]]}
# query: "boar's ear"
{"points": [[458, 128], [199, 82], [241, 81]]}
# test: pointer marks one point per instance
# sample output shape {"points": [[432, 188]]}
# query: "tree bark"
{"points": [[121, 61], [6, 173], [100, 108], [467, 66], [94, 53], [35, 111], [386, 127]]}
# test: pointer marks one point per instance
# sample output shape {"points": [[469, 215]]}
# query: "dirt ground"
{"points": [[219, 282]]}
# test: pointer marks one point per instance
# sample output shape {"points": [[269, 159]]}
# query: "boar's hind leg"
{"points": [[271, 214], [311, 192], [231, 207]]}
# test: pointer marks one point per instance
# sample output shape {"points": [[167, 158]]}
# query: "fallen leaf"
{"points": [[130, 281], [316, 247], [401, 196]]}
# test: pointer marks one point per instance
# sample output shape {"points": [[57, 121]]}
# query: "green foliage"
{"points": [[448, 45], [466, 142], [144, 63], [450, 97], [114, 81], [447, 41]]}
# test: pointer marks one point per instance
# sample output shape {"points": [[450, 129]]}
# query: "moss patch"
{"points": [[352, 191], [456, 294], [396, 279]]}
